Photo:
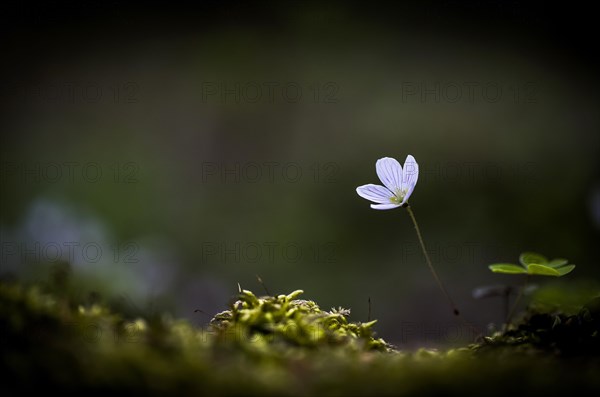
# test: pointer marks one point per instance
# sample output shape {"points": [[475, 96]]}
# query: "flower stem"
{"points": [[435, 275], [514, 306]]}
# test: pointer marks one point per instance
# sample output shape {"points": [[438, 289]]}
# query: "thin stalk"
{"points": [[514, 306], [430, 265], [506, 301]]}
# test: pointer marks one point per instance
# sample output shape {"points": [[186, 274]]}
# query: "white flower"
{"points": [[398, 183]]}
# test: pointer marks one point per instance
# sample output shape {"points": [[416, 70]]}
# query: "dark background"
{"points": [[142, 143]]}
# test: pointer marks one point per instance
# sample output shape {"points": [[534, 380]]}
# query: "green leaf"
{"points": [[507, 268], [558, 262], [541, 270], [528, 258], [565, 269]]}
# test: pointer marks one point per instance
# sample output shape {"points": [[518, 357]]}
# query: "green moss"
{"points": [[281, 324], [277, 345]]}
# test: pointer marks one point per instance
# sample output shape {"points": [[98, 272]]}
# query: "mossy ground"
{"points": [[278, 345]]}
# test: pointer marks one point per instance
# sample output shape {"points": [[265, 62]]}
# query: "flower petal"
{"points": [[389, 172], [375, 193], [384, 206], [410, 176]]}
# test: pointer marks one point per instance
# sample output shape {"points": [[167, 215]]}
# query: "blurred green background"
{"points": [[170, 154]]}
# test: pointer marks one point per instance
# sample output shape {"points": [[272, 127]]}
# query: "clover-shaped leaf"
{"points": [[559, 262], [535, 264], [540, 270], [565, 269], [507, 268], [528, 258]]}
